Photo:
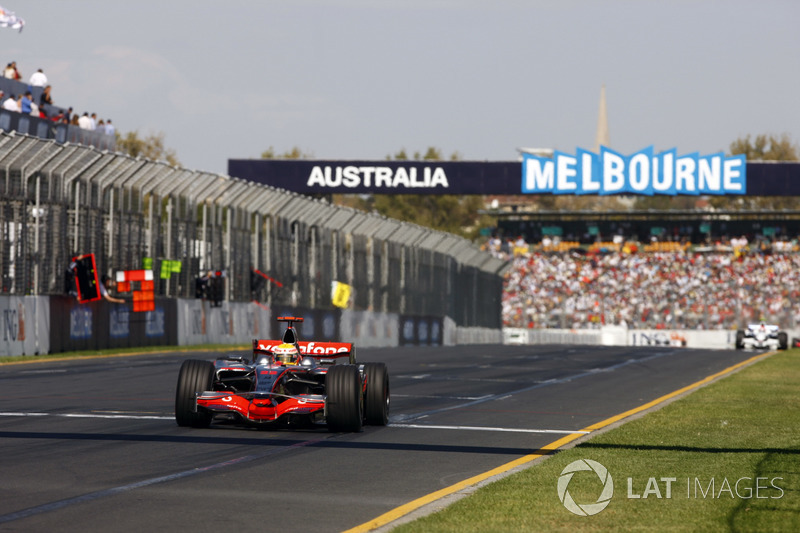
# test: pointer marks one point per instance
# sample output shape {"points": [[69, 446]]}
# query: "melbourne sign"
{"points": [[643, 172]]}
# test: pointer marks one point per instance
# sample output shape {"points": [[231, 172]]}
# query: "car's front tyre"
{"points": [[739, 339], [195, 376], [344, 403], [376, 404], [783, 340]]}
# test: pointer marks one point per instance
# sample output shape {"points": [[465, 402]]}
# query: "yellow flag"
{"points": [[340, 293]]}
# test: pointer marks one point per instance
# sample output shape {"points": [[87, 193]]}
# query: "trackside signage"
{"points": [[643, 172], [646, 172]]}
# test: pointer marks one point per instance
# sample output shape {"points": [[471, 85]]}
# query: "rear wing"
{"points": [[324, 352]]}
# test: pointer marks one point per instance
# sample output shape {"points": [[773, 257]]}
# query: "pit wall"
{"points": [[34, 325], [26, 325], [620, 336]]}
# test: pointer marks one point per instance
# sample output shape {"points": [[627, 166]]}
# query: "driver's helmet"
{"points": [[286, 354]]}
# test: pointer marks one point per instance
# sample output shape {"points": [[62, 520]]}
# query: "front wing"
{"points": [[769, 343], [261, 407]]}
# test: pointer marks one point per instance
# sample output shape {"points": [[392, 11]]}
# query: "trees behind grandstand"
{"points": [[766, 148], [152, 147]]}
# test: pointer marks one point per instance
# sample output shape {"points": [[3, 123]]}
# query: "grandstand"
{"points": [[45, 128], [687, 226], [652, 289]]}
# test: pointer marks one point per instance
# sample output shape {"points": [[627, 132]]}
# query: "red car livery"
{"points": [[321, 384]]}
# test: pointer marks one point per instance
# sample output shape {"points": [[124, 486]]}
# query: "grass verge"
{"points": [[729, 454]]}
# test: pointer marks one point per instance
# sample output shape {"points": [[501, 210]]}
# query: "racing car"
{"points": [[287, 382], [762, 336]]}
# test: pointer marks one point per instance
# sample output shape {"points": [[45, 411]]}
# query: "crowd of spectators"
{"points": [[684, 289], [24, 102]]}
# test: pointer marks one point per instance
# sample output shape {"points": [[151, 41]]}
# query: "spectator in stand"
{"points": [[11, 72], [93, 120], [85, 122], [75, 121], [36, 112], [10, 103], [38, 79], [45, 98], [25, 103], [110, 130]]}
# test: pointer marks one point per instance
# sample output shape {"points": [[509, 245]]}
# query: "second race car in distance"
{"points": [[287, 382], [762, 336]]}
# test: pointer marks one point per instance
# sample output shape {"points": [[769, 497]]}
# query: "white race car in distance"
{"points": [[762, 337]]}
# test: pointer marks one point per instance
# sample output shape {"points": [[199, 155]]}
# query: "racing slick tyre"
{"points": [[783, 340], [376, 404], [195, 376], [739, 339], [345, 401]]}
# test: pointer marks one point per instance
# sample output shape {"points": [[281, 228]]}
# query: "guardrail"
{"points": [[62, 200]]}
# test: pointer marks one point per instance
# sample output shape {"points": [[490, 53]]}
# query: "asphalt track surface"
{"points": [[91, 445]]}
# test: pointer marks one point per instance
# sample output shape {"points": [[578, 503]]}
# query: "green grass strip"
{"points": [[729, 453], [118, 352]]}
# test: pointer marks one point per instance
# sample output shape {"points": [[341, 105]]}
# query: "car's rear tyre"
{"points": [[344, 398], [195, 376], [376, 404], [783, 340], [739, 339]]}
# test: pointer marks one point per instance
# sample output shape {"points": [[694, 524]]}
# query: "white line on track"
{"points": [[433, 397], [478, 428], [90, 415], [411, 426]]}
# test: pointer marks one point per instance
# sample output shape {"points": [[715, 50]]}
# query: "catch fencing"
{"points": [[271, 246]]}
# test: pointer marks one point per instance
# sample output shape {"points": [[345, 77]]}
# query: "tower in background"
{"points": [[602, 138]]}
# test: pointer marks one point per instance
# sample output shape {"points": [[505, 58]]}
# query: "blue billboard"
{"points": [[584, 173]]}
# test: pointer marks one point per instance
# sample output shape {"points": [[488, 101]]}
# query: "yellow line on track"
{"points": [[412, 506]]}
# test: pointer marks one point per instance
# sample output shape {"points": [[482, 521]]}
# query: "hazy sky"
{"points": [[364, 79]]}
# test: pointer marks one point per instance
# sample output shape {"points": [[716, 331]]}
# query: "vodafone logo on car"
{"points": [[313, 348]]}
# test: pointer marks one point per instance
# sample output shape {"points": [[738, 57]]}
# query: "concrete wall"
{"points": [[231, 323], [26, 325], [620, 336]]}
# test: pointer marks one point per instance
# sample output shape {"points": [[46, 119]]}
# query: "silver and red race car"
{"points": [[287, 383]]}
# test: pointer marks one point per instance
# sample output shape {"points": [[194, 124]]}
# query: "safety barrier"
{"points": [[259, 243]]}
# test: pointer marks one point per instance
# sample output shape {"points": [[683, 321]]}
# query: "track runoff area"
{"points": [[463, 413]]}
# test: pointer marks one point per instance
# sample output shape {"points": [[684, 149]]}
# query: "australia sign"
{"points": [[643, 172]]}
